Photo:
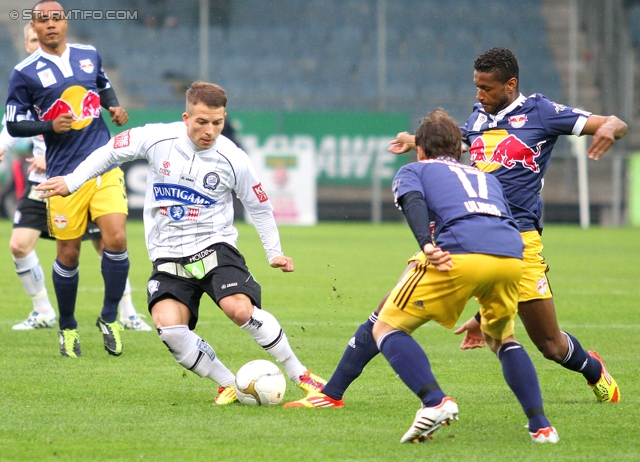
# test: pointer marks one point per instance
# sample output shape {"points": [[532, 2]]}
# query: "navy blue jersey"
{"points": [[47, 86], [468, 207], [515, 146]]}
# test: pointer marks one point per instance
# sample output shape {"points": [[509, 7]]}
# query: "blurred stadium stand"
{"points": [[316, 55], [9, 55], [321, 55]]}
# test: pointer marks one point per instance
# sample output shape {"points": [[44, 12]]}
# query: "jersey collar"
{"points": [[61, 61], [517, 103]]}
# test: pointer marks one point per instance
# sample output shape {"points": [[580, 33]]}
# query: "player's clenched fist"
{"points": [[118, 116], [284, 263], [62, 123]]}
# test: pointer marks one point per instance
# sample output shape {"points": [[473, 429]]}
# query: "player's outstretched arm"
{"points": [[55, 186], [473, 338], [403, 142], [118, 116], [605, 131], [284, 263]]}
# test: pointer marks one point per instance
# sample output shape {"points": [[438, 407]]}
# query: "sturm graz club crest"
{"points": [[153, 286], [177, 212], [211, 181]]}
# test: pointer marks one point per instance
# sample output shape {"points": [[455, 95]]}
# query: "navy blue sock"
{"points": [[520, 375], [362, 348], [65, 283], [578, 360], [115, 270], [411, 364]]}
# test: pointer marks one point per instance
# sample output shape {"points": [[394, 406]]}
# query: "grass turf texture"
{"points": [[143, 405]]}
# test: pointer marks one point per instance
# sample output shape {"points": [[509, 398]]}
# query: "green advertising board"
{"points": [[349, 147]]}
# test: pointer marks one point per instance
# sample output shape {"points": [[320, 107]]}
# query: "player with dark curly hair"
{"points": [[510, 136]]}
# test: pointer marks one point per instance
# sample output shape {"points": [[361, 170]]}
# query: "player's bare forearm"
{"points": [[284, 263], [605, 131], [55, 186], [618, 126]]}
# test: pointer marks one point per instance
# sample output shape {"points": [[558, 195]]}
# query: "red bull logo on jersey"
{"points": [[499, 148], [518, 121], [82, 104], [86, 65]]}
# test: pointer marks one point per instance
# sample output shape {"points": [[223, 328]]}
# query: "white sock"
{"points": [[266, 331], [32, 279], [195, 354], [125, 307]]}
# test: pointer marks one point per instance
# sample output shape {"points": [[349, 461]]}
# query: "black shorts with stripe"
{"points": [[230, 276]]}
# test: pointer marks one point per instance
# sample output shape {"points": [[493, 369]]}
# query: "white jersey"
{"points": [[8, 142], [188, 203]]}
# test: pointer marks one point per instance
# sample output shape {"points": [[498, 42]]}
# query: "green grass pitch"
{"points": [[144, 406]]}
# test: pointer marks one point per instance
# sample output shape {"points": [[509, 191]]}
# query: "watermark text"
{"points": [[76, 15]]}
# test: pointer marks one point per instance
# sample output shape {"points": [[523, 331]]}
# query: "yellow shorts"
{"points": [[105, 194], [426, 294], [534, 284], [419, 257]]}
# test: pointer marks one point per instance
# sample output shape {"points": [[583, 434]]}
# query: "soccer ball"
{"points": [[260, 383]]}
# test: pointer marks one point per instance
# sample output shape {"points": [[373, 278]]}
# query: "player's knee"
{"points": [[239, 315], [551, 350], [169, 312], [493, 344], [69, 256], [116, 242], [379, 329], [19, 249], [238, 308]]}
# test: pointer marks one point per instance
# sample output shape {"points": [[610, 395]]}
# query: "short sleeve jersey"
{"points": [[49, 85], [515, 146], [467, 206]]}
